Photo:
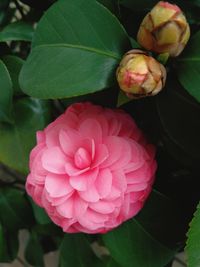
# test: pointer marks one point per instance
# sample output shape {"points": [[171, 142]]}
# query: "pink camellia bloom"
{"points": [[91, 169]]}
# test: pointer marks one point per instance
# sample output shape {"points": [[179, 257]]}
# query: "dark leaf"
{"points": [[179, 115], [15, 212], [14, 65], [188, 67], [6, 94], [60, 71], [130, 245], [17, 139], [33, 251], [193, 245], [139, 238], [75, 251], [58, 26], [68, 61], [9, 245], [17, 31], [39, 213]]}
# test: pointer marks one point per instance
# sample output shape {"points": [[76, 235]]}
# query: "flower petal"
{"points": [[104, 207], [119, 180], [114, 145], [91, 195], [101, 155], [71, 170], [136, 187], [91, 129], [104, 182], [70, 141], [57, 185], [80, 206], [78, 182], [67, 208], [53, 160]]}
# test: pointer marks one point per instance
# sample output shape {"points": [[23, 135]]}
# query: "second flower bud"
{"points": [[140, 75]]}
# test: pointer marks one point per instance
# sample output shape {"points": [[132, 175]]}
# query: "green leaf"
{"points": [[65, 20], [152, 230], [130, 245], [193, 245], [6, 94], [17, 31], [180, 121], [161, 217], [17, 139], [39, 213], [33, 251], [188, 67], [9, 245], [67, 61], [75, 251], [70, 71], [15, 212], [112, 263], [122, 99], [14, 65]]}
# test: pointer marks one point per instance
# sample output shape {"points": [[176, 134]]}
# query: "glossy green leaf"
{"points": [[161, 218], [179, 115], [9, 245], [6, 94], [65, 20], [15, 211], [130, 245], [152, 230], [33, 251], [39, 213], [61, 71], [69, 61], [193, 245], [14, 65], [188, 67], [75, 251], [17, 139], [17, 31]]}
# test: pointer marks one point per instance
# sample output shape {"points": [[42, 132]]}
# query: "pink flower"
{"points": [[91, 169]]}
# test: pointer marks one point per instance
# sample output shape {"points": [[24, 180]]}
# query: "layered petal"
{"points": [[91, 169]]}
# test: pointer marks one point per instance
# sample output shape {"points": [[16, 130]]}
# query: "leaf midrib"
{"points": [[80, 47]]}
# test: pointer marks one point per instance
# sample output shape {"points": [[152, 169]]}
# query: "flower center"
{"points": [[82, 158]]}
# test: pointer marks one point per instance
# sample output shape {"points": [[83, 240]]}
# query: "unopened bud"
{"points": [[140, 75], [164, 30]]}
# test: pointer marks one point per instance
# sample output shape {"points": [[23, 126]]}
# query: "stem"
{"points": [[12, 173]]}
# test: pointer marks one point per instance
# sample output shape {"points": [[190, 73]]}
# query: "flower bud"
{"points": [[140, 75], [164, 30]]}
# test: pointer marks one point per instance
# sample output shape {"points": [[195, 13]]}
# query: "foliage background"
{"points": [[39, 66]]}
